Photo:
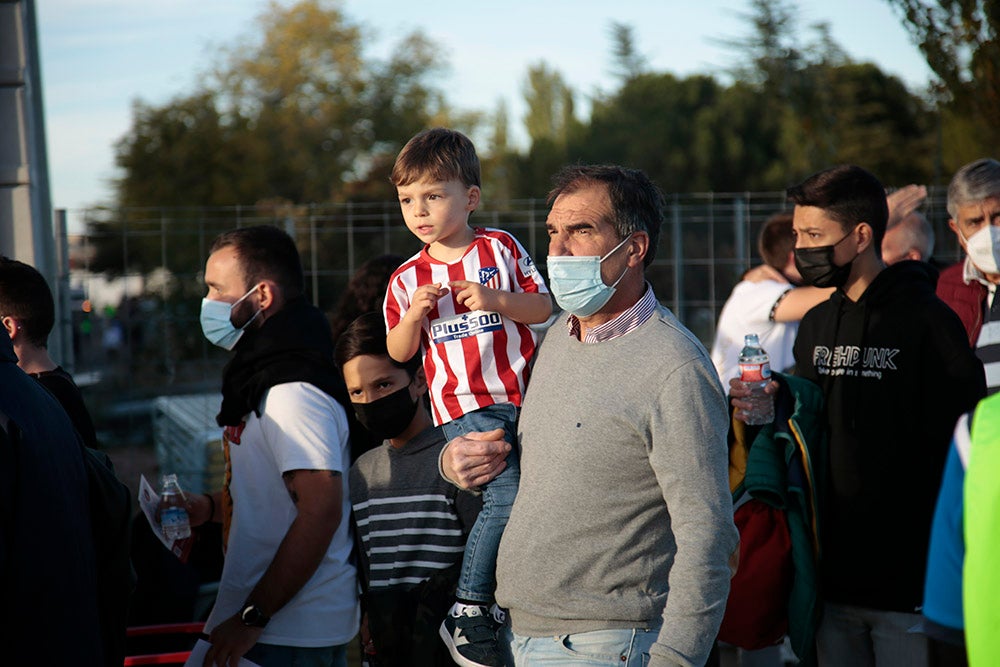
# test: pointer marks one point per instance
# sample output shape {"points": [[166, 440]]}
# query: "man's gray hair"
{"points": [[975, 182]]}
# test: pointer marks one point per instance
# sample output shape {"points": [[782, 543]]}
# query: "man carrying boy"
{"points": [[618, 546], [410, 523], [464, 301]]}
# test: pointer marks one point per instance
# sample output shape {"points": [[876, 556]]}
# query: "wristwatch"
{"points": [[253, 617]]}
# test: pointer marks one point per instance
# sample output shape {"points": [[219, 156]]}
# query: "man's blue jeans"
{"points": [[605, 648], [477, 581]]}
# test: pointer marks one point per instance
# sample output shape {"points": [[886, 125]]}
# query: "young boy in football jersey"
{"points": [[465, 302]]}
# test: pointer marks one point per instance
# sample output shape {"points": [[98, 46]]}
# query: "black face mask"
{"points": [[817, 267], [389, 416]]}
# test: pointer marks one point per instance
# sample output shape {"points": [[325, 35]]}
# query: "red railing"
{"points": [[191, 630]]}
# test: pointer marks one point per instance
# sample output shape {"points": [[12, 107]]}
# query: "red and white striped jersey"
{"points": [[472, 358]]}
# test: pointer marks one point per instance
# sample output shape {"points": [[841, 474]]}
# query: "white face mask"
{"points": [[576, 282], [217, 324], [983, 248]]}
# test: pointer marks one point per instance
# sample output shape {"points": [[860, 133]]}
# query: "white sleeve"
{"points": [[305, 428]]}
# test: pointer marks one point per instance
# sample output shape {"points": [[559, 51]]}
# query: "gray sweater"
{"points": [[624, 512]]}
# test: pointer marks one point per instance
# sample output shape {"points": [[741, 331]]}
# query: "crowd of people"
{"points": [[461, 476]]}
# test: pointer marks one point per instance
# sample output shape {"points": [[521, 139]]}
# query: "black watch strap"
{"points": [[253, 617]]}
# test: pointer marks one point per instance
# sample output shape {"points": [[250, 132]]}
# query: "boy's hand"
{"points": [[424, 299], [473, 295]]}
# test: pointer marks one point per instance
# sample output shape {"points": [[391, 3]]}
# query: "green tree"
{"points": [[550, 114], [821, 108], [499, 160], [876, 122], [960, 40], [627, 62], [651, 124], [293, 112], [185, 152]]}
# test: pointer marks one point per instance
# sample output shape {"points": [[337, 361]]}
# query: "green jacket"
{"points": [[981, 580], [785, 466]]}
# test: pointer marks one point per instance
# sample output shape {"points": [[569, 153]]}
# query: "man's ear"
{"points": [[267, 294], [637, 248], [10, 324], [865, 236]]}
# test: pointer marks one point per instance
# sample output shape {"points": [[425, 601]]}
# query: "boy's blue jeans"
{"points": [[478, 578]]}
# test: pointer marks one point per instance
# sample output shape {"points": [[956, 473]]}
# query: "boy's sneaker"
{"points": [[499, 616], [470, 633]]}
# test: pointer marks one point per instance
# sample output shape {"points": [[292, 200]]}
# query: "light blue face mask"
{"points": [[576, 282], [217, 325]]}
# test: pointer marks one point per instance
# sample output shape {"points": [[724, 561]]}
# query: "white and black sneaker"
{"points": [[470, 633]]}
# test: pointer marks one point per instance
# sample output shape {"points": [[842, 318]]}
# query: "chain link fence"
{"points": [[136, 286]]}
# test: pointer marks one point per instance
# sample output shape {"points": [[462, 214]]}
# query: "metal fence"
{"points": [[137, 336]]}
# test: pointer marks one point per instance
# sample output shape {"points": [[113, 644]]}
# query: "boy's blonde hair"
{"points": [[438, 154]]}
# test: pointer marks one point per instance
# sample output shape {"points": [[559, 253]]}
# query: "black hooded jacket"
{"points": [[896, 371]]}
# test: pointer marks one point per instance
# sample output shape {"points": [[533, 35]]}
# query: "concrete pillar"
{"points": [[26, 231]]}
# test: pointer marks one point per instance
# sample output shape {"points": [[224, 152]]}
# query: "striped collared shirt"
{"points": [[988, 343], [628, 321]]}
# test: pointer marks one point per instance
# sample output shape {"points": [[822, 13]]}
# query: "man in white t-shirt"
{"points": [[766, 302], [288, 592]]}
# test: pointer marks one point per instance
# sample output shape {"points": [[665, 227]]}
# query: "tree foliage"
{"points": [[550, 114], [295, 112], [627, 62], [960, 40]]}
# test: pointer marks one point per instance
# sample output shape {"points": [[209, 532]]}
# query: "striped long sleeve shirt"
{"points": [[410, 522]]}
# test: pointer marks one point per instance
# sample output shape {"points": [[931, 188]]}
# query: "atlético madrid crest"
{"points": [[490, 277]]}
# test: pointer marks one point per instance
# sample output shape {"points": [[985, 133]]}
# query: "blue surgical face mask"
{"points": [[217, 325], [576, 282]]}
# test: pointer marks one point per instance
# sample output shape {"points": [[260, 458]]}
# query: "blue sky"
{"points": [[99, 56]]}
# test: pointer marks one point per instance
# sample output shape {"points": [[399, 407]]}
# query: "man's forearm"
{"points": [[297, 558]]}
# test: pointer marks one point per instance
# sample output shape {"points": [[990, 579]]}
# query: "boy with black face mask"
{"points": [[896, 372], [411, 525]]}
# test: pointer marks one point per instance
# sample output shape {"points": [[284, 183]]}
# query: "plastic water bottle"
{"points": [[368, 655], [173, 510], [755, 373]]}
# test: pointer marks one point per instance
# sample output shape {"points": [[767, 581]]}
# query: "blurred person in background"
{"points": [[970, 286], [769, 301], [908, 232], [27, 312], [365, 292]]}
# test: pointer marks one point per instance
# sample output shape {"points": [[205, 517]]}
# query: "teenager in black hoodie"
{"points": [[896, 370]]}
